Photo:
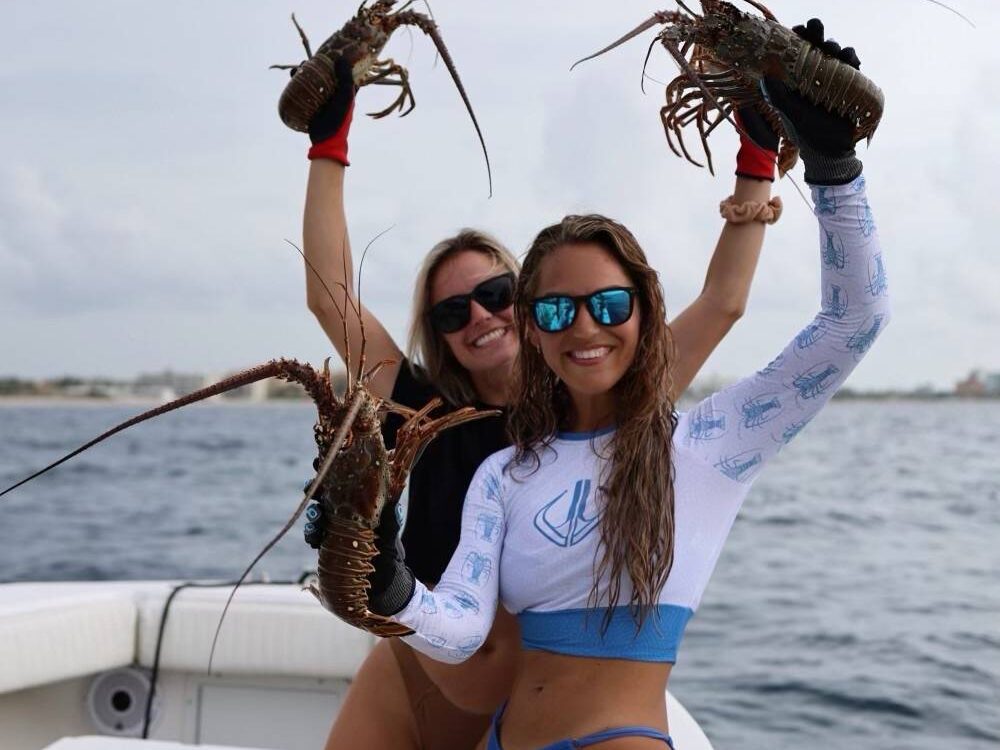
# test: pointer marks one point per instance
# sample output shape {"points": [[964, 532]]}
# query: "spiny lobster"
{"points": [[361, 41], [357, 479], [725, 53]]}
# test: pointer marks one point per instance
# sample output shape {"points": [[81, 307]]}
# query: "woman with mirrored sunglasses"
{"points": [[462, 346], [601, 524]]}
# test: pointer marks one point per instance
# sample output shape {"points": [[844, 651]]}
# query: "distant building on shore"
{"points": [[979, 384], [166, 385]]}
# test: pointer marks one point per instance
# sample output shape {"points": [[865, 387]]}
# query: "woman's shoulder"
{"points": [[412, 387]]}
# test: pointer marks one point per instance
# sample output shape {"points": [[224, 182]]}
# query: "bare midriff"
{"points": [[483, 682], [555, 697]]}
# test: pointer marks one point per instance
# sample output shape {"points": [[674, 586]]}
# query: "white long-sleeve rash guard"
{"points": [[530, 540]]}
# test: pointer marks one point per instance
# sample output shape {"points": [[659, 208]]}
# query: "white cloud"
{"points": [[147, 184]]}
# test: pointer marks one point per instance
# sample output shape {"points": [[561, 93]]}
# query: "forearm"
{"points": [[734, 262], [324, 236], [700, 327], [452, 621]]}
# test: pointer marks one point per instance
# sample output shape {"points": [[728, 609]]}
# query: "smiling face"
{"points": [[487, 342], [588, 357]]}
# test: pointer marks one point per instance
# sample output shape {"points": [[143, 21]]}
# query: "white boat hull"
{"points": [[74, 661]]}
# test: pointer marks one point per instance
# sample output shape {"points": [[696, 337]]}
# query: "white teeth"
{"points": [[591, 353], [489, 337]]}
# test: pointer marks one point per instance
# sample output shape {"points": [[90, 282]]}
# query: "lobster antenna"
{"points": [[645, 63], [319, 277], [648, 77], [303, 37], [340, 311], [361, 268], [695, 15], [430, 28], [338, 441], [798, 188], [260, 372], [763, 9], [657, 18], [409, 36], [347, 297], [949, 8], [430, 12]]}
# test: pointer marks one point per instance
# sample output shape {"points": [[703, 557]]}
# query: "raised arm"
{"points": [[700, 327], [738, 429], [326, 244]]}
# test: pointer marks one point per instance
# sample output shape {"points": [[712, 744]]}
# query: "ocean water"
{"points": [[856, 604]]}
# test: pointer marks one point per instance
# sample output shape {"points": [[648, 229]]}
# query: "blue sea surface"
{"points": [[856, 604]]}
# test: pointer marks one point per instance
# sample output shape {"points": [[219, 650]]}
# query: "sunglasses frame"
{"points": [[439, 310], [585, 300]]}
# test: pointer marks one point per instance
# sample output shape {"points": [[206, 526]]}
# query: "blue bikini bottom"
{"points": [[586, 741]]}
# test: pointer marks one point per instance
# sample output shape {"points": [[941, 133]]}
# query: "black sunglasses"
{"points": [[494, 294], [608, 307]]}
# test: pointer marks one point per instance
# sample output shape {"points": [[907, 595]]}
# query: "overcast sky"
{"points": [[147, 184]]}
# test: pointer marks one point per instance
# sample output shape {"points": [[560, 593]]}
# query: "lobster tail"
{"points": [[343, 569], [311, 86]]}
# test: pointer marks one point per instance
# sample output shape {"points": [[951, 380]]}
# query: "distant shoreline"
{"points": [[148, 403]]}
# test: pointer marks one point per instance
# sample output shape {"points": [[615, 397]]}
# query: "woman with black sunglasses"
{"points": [[462, 346]]}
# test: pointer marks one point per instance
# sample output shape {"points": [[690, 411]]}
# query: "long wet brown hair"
{"points": [[637, 524]]}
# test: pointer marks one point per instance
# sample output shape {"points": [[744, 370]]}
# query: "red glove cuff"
{"points": [[335, 147], [755, 162]]}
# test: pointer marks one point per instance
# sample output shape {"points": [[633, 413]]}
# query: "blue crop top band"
{"points": [[530, 538]]}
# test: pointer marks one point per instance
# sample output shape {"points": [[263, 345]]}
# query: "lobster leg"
{"points": [[384, 69], [414, 436]]}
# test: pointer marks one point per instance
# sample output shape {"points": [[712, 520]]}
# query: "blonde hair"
{"points": [[430, 357]]}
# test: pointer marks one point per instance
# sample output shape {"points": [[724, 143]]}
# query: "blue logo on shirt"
{"points": [[564, 521]]}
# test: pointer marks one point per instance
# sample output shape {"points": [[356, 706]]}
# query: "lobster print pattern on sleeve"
{"points": [[527, 533]]}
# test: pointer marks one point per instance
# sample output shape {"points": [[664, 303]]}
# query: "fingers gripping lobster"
{"points": [[724, 54], [361, 41]]}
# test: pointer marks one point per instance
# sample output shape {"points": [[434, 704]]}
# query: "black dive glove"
{"points": [[825, 139], [392, 583], [330, 126], [314, 528]]}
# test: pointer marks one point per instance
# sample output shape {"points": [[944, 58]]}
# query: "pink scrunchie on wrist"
{"points": [[744, 213]]}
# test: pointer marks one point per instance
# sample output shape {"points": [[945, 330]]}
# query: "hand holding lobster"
{"points": [[824, 138], [724, 55], [354, 50]]}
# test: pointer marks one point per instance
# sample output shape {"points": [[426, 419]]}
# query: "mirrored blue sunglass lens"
{"points": [[611, 308], [555, 313]]}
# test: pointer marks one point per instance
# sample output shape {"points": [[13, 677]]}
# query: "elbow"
{"points": [[726, 307], [321, 307], [734, 311], [730, 311]]}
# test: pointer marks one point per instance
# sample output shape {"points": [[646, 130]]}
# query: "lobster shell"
{"points": [[312, 84], [343, 569]]}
